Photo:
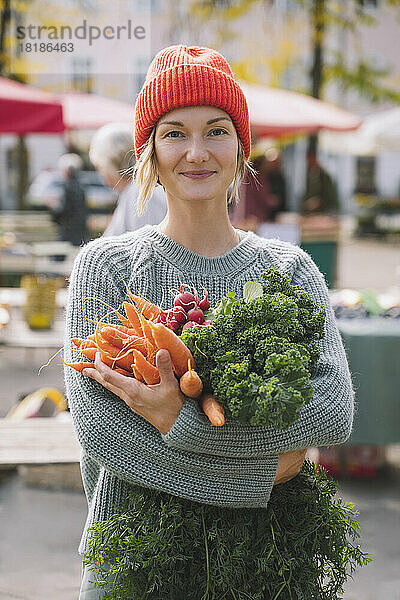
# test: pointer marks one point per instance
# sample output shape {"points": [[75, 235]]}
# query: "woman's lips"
{"points": [[203, 175]]}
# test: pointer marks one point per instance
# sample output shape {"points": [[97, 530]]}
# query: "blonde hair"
{"points": [[145, 173]]}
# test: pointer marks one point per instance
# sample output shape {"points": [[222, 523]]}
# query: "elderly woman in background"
{"points": [[111, 153]]}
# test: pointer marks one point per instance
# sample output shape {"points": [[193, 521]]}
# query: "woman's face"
{"points": [[196, 152]]}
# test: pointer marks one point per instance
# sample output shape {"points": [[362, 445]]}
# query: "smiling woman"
{"points": [[192, 133], [196, 164]]}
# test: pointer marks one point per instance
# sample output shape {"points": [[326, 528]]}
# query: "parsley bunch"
{"points": [[258, 355]]}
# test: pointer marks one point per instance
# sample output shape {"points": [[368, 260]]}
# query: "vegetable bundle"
{"points": [[256, 356]]}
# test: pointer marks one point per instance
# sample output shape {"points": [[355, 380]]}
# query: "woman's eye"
{"points": [[218, 129], [170, 132]]}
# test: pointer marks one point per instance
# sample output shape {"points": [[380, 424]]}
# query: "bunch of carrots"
{"points": [[130, 348]]}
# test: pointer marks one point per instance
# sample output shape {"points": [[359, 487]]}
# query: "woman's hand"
{"points": [[159, 404], [289, 465]]}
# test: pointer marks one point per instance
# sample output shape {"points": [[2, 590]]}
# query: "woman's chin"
{"points": [[204, 193]]}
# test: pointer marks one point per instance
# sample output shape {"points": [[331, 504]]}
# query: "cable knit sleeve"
{"points": [[326, 420], [126, 445]]}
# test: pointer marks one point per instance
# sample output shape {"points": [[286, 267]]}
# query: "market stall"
{"points": [[373, 351]]}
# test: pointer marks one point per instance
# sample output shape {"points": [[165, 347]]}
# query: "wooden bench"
{"points": [[38, 441], [45, 452]]}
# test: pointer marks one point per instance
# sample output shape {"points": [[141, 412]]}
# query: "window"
{"points": [[82, 80]]}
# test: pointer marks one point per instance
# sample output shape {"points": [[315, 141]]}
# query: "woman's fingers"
{"points": [[97, 376], [165, 367], [159, 404], [127, 388], [289, 465]]}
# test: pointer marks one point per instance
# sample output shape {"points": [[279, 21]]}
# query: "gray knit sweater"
{"points": [[234, 465]]}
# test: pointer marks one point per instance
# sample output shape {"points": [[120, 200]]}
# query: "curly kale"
{"points": [[257, 357]]}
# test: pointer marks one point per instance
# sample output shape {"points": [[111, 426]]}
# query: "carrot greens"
{"points": [[301, 547]]}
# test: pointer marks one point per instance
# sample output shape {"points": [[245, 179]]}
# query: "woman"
{"points": [[192, 134], [110, 152]]}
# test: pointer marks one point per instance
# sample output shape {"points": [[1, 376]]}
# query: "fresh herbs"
{"points": [[301, 546], [257, 357]]}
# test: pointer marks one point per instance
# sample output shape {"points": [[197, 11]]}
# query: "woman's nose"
{"points": [[197, 151]]}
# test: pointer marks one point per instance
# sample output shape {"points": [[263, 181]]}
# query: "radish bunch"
{"points": [[187, 312]]}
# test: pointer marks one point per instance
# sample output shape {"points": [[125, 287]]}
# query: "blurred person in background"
{"points": [[111, 154], [276, 182], [321, 194], [70, 211], [258, 202]]}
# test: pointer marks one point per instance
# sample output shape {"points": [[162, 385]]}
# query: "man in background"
{"points": [[70, 211], [321, 194]]}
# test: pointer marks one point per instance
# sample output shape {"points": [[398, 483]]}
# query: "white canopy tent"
{"points": [[379, 132]]}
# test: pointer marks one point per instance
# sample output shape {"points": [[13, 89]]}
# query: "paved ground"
{"points": [[40, 529]]}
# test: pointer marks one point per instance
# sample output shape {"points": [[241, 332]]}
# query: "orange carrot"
{"points": [[114, 336], [123, 372], [80, 343], [137, 374], [147, 308], [165, 338], [90, 353], [149, 373], [190, 383], [213, 409], [113, 356], [133, 317], [125, 322], [123, 341], [79, 366], [147, 332], [139, 343], [125, 329]]}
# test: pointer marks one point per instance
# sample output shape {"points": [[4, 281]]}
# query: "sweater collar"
{"points": [[183, 258]]}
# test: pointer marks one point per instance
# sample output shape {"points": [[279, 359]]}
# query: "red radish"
{"points": [[186, 300], [207, 323], [179, 314], [173, 324], [163, 316], [195, 314], [190, 325], [204, 304]]}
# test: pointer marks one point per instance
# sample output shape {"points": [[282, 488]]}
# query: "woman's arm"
{"points": [[326, 420]]}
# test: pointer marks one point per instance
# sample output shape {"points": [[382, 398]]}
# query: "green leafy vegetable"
{"points": [[258, 355], [251, 290], [301, 547]]}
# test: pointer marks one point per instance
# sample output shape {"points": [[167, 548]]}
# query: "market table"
{"points": [[17, 333], [15, 297], [373, 351]]}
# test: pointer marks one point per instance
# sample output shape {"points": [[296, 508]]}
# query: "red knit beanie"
{"points": [[189, 76]]}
